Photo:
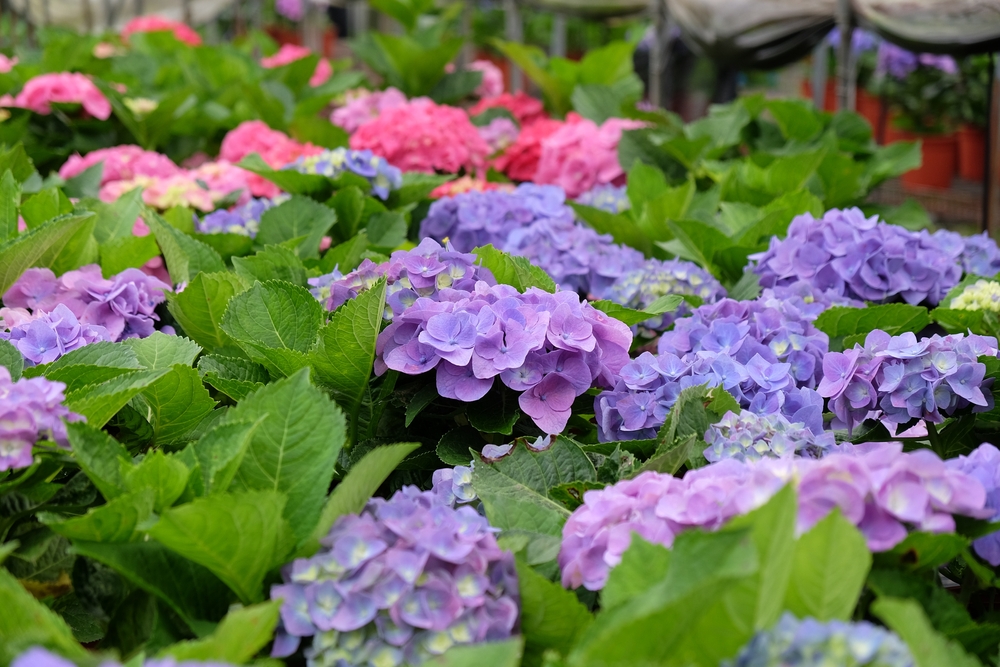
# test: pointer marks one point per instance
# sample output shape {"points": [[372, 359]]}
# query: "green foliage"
{"points": [[851, 325], [512, 270]]}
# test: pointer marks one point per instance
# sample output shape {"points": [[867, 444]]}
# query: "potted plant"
{"points": [[921, 91], [864, 45], [973, 107]]}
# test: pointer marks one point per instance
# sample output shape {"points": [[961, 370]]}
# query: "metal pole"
{"points": [[468, 52], [659, 52], [821, 56], [140, 7], [845, 94], [557, 45], [991, 184], [514, 32]]}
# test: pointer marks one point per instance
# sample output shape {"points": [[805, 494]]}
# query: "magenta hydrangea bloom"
{"points": [[31, 410], [878, 487], [403, 581], [984, 464], [533, 221], [898, 378], [863, 258]]}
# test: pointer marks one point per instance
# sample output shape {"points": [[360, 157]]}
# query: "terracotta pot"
{"points": [[829, 98], [940, 155], [283, 35], [971, 152], [870, 108]]}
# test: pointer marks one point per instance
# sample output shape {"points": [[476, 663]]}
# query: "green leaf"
{"points": [[42, 246], [515, 271], [113, 522], [298, 217], [11, 359], [666, 304], [621, 227], [100, 456], [292, 182], [185, 256], [496, 412], [176, 402], [506, 653], [130, 252], [45, 205], [197, 595], [85, 184], [797, 119], [237, 639], [349, 204], [386, 230], [416, 187], [828, 571], [165, 475], [295, 447], [200, 307], [701, 241], [116, 220], [220, 453], [27, 622], [234, 377], [10, 200], [921, 551], [229, 245], [272, 263], [344, 358], [552, 618], [642, 564], [893, 318], [103, 354], [362, 481], [162, 351], [456, 86], [99, 403], [929, 649], [239, 537]]}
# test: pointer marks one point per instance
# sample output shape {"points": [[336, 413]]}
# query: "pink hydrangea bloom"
{"points": [[40, 92], [121, 163], [223, 176], [468, 184], [181, 31], [289, 53], [520, 160], [525, 108], [163, 193], [276, 149], [580, 155], [492, 84], [7, 64], [424, 136], [361, 106]]}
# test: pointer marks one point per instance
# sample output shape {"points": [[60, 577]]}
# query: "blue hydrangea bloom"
{"points": [[332, 163], [656, 278], [244, 220], [750, 437], [607, 197], [984, 464]]}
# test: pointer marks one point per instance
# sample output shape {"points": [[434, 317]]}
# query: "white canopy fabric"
{"points": [[942, 26], [74, 13]]}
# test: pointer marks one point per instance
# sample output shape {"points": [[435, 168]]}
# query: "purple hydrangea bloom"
{"points": [[748, 437], [980, 255], [45, 338], [897, 62], [876, 486], [810, 643], [405, 580], [862, 258], [243, 219], [37, 656], [984, 464], [861, 40], [898, 378], [533, 221], [500, 133], [550, 347], [424, 271], [642, 286], [333, 163], [31, 410], [607, 197]]}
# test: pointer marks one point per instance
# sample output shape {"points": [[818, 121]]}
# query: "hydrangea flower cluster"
{"points": [[983, 463], [898, 378], [424, 136], [534, 222], [464, 184], [422, 272], [749, 437], [362, 105], [980, 255], [40, 657], [41, 91], [983, 295], [289, 53], [580, 155], [123, 305], [810, 643], [243, 219], [332, 163], [276, 149], [7, 64], [550, 347], [877, 487], [121, 163], [897, 62], [607, 197], [31, 409], [642, 286], [181, 31], [290, 9], [43, 338], [492, 85], [862, 258], [769, 326], [405, 580], [525, 108], [520, 161], [806, 301], [499, 134]]}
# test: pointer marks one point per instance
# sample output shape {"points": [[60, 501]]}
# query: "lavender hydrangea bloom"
{"points": [[898, 378], [876, 486], [607, 197], [980, 254], [861, 40], [533, 221], [499, 133], [31, 410], [984, 465], [749, 437], [656, 278], [550, 347], [810, 643], [862, 258], [45, 338], [332, 163], [423, 271], [40, 657], [403, 581], [897, 62], [244, 220]]}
